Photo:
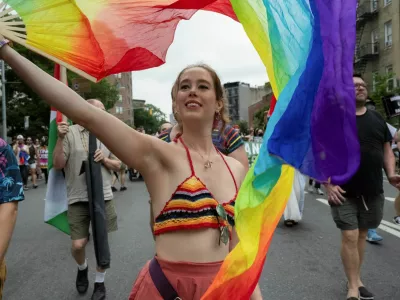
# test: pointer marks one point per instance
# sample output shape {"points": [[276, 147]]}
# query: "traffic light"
{"points": [[150, 111]]}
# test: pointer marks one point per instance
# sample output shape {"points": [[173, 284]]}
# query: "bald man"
{"points": [[71, 150]]}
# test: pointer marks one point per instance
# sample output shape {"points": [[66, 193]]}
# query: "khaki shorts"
{"points": [[3, 275], [79, 219], [359, 213]]}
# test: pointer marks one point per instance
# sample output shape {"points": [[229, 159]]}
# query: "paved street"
{"points": [[303, 262]]}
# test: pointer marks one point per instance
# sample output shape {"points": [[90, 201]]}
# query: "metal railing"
{"points": [[367, 50], [367, 9]]}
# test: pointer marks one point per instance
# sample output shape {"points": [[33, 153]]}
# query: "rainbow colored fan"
{"points": [[96, 38]]}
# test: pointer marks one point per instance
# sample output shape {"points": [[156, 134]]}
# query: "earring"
{"points": [[217, 118]]}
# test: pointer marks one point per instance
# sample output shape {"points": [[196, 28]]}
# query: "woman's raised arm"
{"points": [[137, 150]]}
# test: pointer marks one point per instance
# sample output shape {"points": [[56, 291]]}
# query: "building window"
{"points": [[374, 75], [119, 75], [120, 98], [387, 2], [119, 110], [374, 5], [235, 92], [388, 34], [375, 40], [390, 81]]}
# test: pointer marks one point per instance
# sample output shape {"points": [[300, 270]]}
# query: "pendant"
{"points": [[224, 235], [207, 164]]}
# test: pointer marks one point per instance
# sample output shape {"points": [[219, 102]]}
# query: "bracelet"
{"points": [[3, 43]]}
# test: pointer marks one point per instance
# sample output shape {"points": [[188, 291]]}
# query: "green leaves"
{"points": [[22, 101], [149, 117]]}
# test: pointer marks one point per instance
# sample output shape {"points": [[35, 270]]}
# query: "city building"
{"points": [[264, 102], [138, 104], [240, 97], [123, 108], [378, 40]]}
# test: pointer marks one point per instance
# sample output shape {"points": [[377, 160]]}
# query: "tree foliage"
{"points": [[22, 101], [381, 89], [258, 119], [243, 126], [149, 117]]}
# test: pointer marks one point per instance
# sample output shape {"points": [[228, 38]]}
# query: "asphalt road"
{"points": [[303, 261]]}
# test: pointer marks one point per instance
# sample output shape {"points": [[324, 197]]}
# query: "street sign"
{"points": [[391, 105], [252, 149]]}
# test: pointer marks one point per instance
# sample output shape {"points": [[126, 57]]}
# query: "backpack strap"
{"points": [[161, 282]]}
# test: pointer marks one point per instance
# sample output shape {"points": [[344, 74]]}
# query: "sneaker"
{"points": [[123, 188], [373, 236], [365, 294], [396, 220], [99, 292], [113, 189], [320, 192], [26, 188], [82, 281], [310, 189], [35, 186]]}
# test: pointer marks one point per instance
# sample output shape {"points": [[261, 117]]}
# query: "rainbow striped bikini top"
{"points": [[192, 206]]}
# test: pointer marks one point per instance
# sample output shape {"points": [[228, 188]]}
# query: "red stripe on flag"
{"points": [[57, 75], [272, 105]]}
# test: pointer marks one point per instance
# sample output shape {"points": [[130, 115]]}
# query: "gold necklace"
{"points": [[208, 163]]}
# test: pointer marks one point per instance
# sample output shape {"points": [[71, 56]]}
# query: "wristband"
{"points": [[3, 43]]}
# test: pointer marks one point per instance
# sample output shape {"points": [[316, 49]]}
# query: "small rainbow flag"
{"points": [[308, 48]]}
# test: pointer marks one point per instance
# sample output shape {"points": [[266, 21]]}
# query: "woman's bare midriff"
{"points": [[199, 246]]}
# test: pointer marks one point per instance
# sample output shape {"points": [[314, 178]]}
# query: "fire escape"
{"points": [[365, 52]]}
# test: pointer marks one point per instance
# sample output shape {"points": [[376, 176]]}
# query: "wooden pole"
{"points": [[63, 79]]}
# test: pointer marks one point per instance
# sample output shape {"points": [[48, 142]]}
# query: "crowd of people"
{"points": [[201, 162], [32, 157]]}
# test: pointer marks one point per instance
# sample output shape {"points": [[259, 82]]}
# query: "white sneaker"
{"points": [[396, 220], [310, 189], [320, 192]]}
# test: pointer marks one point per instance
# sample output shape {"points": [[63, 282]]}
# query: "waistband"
{"points": [[189, 269]]}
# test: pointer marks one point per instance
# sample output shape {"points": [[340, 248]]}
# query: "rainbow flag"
{"points": [[307, 47]]}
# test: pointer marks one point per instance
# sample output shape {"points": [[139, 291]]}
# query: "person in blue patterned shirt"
{"points": [[11, 192]]}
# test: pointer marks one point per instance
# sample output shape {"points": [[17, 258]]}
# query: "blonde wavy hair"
{"points": [[223, 117]]}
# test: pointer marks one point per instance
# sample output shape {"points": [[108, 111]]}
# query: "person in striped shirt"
{"points": [[229, 142]]}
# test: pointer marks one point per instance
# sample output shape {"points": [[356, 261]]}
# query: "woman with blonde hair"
{"points": [[194, 227]]}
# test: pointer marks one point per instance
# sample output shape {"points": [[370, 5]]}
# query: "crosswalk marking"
{"points": [[392, 225], [389, 230], [385, 225], [391, 199]]}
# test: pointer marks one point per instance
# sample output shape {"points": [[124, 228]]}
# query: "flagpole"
{"points": [[63, 79]]}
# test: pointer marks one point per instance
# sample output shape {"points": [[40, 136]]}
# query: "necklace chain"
{"points": [[208, 163]]}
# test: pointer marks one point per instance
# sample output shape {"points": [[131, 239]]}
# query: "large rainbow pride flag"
{"points": [[307, 47]]}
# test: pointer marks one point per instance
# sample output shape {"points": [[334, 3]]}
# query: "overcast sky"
{"points": [[208, 38]]}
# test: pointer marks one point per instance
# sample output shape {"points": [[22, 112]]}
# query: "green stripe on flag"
{"points": [[52, 140], [56, 205], [60, 222]]}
